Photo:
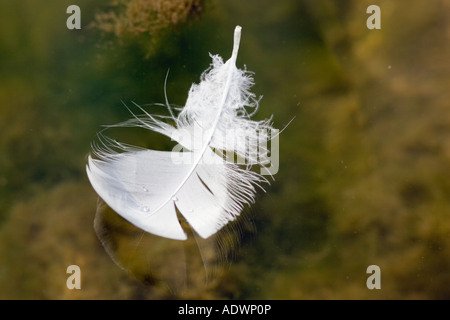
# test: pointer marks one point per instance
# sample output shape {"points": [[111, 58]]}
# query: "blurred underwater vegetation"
{"points": [[363, 176]]}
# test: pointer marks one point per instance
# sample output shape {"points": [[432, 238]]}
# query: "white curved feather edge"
{"points": [[147, 187]]}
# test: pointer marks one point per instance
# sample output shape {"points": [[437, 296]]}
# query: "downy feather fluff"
{"points": [[148, 187]]}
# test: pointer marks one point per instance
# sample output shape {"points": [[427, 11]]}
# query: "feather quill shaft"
{"points": [[232, 60]]}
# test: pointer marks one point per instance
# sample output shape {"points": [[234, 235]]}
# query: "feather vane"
{"points": [[148, 187]]}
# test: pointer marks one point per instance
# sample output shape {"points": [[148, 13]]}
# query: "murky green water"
{"points": [[363, 178]]}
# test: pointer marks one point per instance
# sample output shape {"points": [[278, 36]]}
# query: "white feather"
{"points": [[147, 187]]}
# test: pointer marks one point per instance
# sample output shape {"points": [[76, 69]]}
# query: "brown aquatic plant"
{"points": [[146, 17]]}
